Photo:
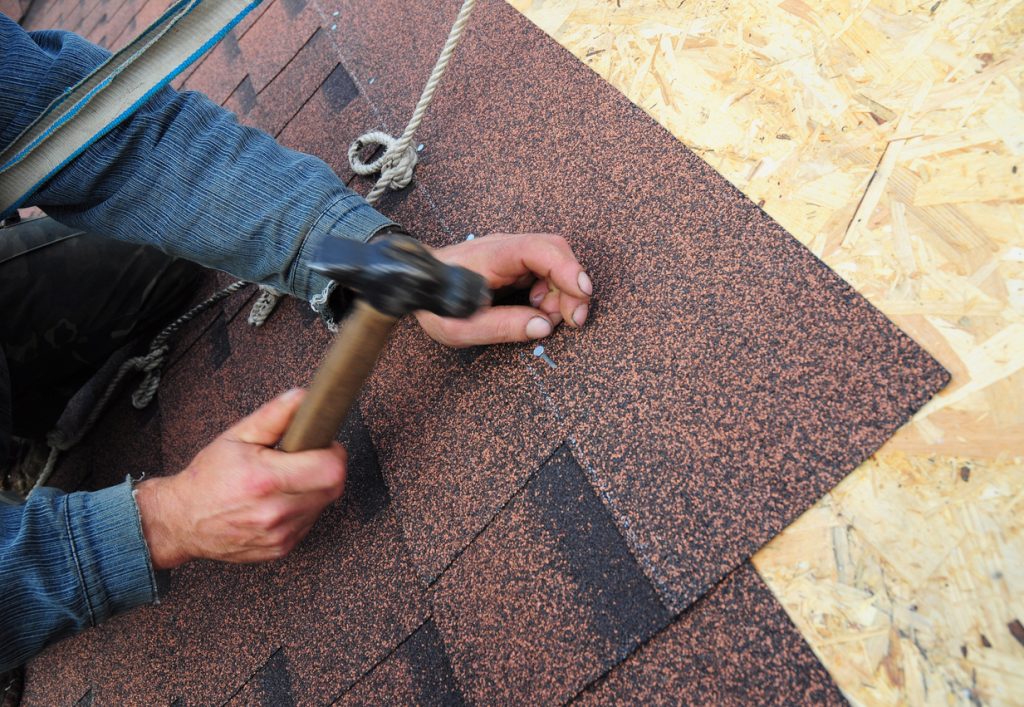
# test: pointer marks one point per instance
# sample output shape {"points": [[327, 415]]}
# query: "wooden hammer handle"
{"points": [[337, 382]]}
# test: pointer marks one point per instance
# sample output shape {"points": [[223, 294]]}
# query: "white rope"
{"points": [[150, 363], [398, 162], [264, 305]]}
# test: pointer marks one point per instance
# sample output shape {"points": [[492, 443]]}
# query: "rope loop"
{"points": [[374, 137], [395, 164]]}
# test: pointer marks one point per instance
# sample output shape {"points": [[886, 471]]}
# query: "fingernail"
{"points": [[585, 284], [555, 318], [538, 328], [536, 299], [580, 315], [291, 394]]}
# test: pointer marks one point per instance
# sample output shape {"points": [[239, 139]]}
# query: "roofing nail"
{"points": [[539, 353]]}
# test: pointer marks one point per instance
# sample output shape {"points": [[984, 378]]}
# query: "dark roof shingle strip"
{"points": [[418, 672], [272, 108], [273, 40], [335, 109], [270, 685]]}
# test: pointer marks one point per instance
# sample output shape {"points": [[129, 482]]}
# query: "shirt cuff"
{"points": [[110, 551], [348, 217]]}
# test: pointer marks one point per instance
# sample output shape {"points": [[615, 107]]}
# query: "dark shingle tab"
{"points": [[418, 672]]}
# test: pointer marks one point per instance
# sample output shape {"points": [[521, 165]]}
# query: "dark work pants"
{"points": [[69, 300]]}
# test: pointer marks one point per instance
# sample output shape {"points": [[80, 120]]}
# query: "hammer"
{"points": [[392, 277]]}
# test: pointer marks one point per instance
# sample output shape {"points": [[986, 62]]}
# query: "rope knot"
{"points": [[396, 165], [153, 359]]}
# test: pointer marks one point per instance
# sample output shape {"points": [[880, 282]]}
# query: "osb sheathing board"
{"points": [[888, 137]]}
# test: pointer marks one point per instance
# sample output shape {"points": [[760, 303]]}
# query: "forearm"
{"points": [[69, 561], [184, 176]]}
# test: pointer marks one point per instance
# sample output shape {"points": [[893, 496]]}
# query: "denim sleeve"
{"points": [[181, 174], [67, 562]]}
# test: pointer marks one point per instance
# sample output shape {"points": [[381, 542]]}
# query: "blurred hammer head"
{"points": [[397, 275]]}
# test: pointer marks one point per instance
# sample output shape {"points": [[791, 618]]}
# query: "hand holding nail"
{"points": [[560, 289]]}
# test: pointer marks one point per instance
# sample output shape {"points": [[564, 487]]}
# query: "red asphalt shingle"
{"points": [[511, 531], [723, 361], [418, 672], [555, 541], [276, 37], [274, 106], [389, 46], [220, 71], [458, 447], [323, 125]]}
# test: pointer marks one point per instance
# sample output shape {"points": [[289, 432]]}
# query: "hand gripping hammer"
{"points": [[392, 277]]}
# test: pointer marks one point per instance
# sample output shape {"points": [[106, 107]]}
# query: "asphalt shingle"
{"points": [[512, 531]]}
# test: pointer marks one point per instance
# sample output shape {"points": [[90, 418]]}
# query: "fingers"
{"points": [[560, 290], [312, 471], [507, 259], [549, 257], [492, 325], [552, 302], [539, 292], [268, 424]]}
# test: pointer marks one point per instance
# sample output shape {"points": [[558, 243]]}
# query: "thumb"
{"points": [[502, 324], [268, 424]]}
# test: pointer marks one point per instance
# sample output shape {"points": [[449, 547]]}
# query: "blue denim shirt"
{"points": [[182, 175]]}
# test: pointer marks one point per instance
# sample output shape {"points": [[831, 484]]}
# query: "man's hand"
{"points": [[240, 500], [560, 290]]}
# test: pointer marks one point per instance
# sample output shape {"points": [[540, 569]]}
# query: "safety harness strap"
{"points": [[111, 93]]}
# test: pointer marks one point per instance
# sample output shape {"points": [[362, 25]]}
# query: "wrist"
{"points": [[159, 510]]}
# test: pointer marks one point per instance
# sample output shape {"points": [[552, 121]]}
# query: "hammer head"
{"points": [[397, 275]]}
